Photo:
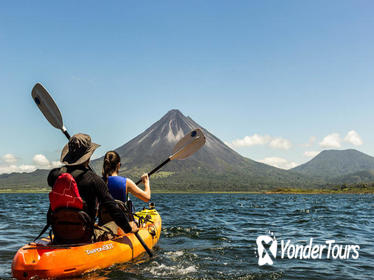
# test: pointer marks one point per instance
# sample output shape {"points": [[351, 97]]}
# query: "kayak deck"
{"points": [[44, 260]]}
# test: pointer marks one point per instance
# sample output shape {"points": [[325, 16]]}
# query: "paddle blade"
{"points": [[189, 144], [47, 106]]}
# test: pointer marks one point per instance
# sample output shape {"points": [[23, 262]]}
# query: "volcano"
{"points": [[157, 142], [215, 167]]}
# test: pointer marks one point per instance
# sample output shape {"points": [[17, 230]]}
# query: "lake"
{"points": [[213, 236]]}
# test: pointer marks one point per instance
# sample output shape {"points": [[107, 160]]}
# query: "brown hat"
{"points": [[78, 150]]}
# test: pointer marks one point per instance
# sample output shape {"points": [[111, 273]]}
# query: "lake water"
{"points": [[213, 236]]}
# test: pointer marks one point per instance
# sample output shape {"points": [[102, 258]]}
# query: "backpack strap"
{"points": [[76, 173], [43, 231], [48, 224]]}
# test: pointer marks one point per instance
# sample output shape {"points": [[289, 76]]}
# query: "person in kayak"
{"points": [[119, 187], [92, 189]]}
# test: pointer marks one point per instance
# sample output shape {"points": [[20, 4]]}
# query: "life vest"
{"points": [[65, 193], [70, 223]]}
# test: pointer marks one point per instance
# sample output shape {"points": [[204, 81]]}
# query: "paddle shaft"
{"points": [[131, 219], [154, 170], [143, 244], [66, 133], [138, 182]]}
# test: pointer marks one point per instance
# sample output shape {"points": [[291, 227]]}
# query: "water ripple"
{"points": [[213, 236]]}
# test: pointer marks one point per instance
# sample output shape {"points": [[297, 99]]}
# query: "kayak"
{"points": [[44, 260]]}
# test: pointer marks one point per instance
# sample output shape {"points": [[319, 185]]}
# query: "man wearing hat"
{"points": [[92, 189]]}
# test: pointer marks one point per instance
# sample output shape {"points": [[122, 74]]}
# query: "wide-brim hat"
{"points": [[79, 149]]}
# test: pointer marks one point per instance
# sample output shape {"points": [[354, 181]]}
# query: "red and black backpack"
{"points": [[67, 216], [65, 193]]}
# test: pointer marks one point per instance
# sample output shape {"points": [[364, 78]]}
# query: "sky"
{"points": [[278, 81]]}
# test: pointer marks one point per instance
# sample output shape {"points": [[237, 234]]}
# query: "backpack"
{"points": [[65, 193], [67, 217]]}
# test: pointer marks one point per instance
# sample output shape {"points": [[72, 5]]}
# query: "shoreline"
{"points": [[268, 192]]}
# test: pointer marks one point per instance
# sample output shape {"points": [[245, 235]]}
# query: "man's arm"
{"points": [[52, 176]]}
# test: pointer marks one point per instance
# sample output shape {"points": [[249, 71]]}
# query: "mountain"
{"points": [[18, 181], [214, 167], [364, 176], [157, 142], [335, 165]]}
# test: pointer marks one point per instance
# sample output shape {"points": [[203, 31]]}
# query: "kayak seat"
{"points": [[71, 226], [104, 215]]}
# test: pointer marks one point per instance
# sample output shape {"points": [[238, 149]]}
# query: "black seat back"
{"points": [[71, 226]]}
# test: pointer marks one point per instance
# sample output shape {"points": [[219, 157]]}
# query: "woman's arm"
{"points": [[138, 192]]}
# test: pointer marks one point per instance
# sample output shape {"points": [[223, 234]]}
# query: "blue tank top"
{"points": [[117, 187]]}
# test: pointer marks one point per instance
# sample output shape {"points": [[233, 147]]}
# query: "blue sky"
{"points": [[279, 81]]}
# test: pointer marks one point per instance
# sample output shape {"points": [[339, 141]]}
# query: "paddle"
{"points": [[51, 112], [48, 107], [185, 147]]}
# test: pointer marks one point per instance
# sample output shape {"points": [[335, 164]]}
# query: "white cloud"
{"points": [[353, 138], [311, 153], [9, 158], [331, 141], [14, 168], [40, 161], [255, 139], [279, 162]]}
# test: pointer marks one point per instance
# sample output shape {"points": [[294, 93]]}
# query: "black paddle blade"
{"points": [[47, 106]]}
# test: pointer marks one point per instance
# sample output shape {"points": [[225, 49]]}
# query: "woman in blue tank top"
{"points": [[119, 187]]}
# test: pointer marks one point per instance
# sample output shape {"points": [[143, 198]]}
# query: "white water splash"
{"points": [[163, 270]]}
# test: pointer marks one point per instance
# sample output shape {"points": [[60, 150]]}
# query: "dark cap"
{"points": [[78, 150]]}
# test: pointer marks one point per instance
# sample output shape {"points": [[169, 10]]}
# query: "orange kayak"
{"points": [[43, 260]]}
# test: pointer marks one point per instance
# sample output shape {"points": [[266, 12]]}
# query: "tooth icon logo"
{"points": [[266, 246]]}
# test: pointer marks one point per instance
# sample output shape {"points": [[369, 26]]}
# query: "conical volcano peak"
{"points": [[173, 126], [159, 139], [174, 114], [174, 111]]}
